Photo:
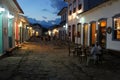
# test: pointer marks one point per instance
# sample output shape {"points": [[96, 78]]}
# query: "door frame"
{"points": [[1, 33], [99, 32], [91, 32], [84, 43]]}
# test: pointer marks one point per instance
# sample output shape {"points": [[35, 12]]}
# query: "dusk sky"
{"points": [[43, 10]]}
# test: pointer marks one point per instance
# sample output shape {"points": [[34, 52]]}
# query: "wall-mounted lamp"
{"points": [[28, 27], [98, 23], [2, 9], [10, 16]]}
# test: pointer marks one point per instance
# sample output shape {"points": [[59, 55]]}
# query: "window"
{"points": [[70, 9], [69, 31], [117, 28], [79, 4], [74, 6]]}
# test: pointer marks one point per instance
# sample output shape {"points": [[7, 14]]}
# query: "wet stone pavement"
{"points": [[45, 61]]}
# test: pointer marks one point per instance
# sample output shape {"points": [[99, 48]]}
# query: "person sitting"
{"points": [[93, 54], [99, 54]]}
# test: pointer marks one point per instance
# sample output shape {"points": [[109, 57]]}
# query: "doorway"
{"points": [[1, 34], [85, 34], [93, 33], [73, 33], [79, 33], [10, 32], [102, 33]]}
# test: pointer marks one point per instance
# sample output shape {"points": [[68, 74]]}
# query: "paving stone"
{"points": [[40, 61]]}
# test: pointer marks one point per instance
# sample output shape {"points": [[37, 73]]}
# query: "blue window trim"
{"points": [[115, 16]]}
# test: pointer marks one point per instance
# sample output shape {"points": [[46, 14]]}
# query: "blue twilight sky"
{"points": [[44, 11]]}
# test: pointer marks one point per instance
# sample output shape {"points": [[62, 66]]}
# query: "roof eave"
{"points": [[21, 11]]}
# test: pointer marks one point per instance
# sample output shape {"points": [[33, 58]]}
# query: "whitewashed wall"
{"points": [[106, 10]]}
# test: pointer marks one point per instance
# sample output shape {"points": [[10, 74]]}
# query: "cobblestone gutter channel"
{"points": [[16, 70], [75, 69]]}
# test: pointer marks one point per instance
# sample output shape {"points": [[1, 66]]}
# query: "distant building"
{"points": [[37, 30], [63, 30], [53, 32]]}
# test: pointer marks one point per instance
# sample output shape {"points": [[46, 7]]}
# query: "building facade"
{"points": [[37, 30], [97, 22], [63, 29], [9, 15]]}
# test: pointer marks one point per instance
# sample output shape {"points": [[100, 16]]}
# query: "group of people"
{"points": [[95, 53]]}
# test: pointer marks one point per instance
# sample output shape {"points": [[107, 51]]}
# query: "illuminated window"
{"points": [[117, 28]]}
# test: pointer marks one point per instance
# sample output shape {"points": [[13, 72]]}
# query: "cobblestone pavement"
{"points": [[45, 61]]}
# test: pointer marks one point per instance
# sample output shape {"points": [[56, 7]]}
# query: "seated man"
{"points": [[93, 54]]}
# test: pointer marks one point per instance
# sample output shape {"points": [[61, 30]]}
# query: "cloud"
{"points": [[44, 23], [55, 12], [58, 4], [44, 17], [45, 10]]}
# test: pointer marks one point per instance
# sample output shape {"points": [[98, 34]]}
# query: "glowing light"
{"points": [[2, 9], [77, 17], [82, 20], [115, 19], [10, 16], [64, 26], [37, 33], [28, 27], [74, 15], [55, 31], [98, 22], [118, 27], [49, 32], [20, 25]]}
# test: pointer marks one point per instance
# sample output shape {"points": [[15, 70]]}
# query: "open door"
{"points": [[93, 33], [10, 32], [102, 33]]}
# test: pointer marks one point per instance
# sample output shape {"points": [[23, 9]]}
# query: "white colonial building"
{"points": [[102, 24], [63, 29], [96, 21]]}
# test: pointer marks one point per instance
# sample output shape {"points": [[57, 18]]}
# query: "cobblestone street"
{"points": [[45, 61]]}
